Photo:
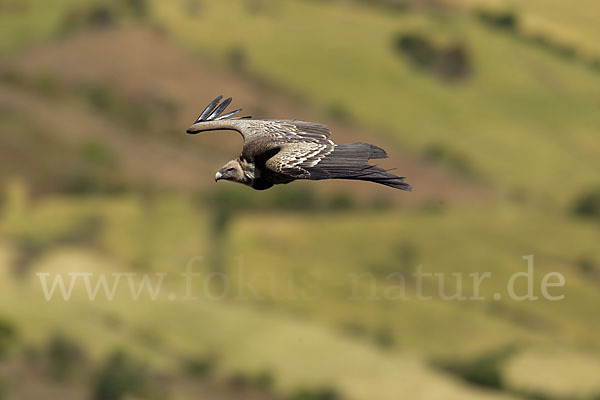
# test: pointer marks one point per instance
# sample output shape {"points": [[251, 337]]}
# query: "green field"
{"points": [[322, 299]]}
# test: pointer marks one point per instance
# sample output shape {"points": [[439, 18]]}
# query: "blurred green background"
{"points": [[490, 108]]}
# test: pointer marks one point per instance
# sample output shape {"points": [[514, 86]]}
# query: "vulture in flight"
{"points": [[281, 151]]}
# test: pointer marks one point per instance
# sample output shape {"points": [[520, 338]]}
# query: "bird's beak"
{"points": [[218, 175]]}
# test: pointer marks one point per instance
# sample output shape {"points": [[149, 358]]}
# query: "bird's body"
{"points": [[281, 151]]}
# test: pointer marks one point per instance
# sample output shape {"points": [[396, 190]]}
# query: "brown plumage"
{"points": [[278, 151]]}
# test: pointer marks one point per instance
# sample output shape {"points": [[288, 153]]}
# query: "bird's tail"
{"points": [[378, 175], [350, 161]]}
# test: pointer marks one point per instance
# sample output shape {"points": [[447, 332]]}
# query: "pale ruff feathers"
{"points": [[249, 169]]}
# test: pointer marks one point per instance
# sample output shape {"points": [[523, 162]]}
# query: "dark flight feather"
{"points": [[213, 111], [209, 108], [219, 109], [229, 114]]}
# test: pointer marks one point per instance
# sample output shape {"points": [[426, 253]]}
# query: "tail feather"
{"points": [[350, 161], [383, 177]]}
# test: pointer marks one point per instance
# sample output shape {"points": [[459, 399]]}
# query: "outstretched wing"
{"points": [[287, 147], [345, 161], [303, 150]]}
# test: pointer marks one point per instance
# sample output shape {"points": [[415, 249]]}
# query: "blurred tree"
{"points": [[120, 376], [503, 19], [485, 370], [587, 204], [451, 62], [8, 336], [64, 357], [200, 366]]}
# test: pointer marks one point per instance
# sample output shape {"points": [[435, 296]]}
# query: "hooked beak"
{"points": [[218, 175]]}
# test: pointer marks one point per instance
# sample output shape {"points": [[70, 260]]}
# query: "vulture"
{"points": [[281, 151]]}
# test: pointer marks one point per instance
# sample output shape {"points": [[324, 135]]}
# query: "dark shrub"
{"points": [[264, 380], [453, 63], [98, 16], [418, 48], [588, 267], [64, 357], [8, 335], [384, 337], [502, 19], [78, 183], [101, 17], [200, 366], [485, 370], [447, 62], [120, 376], [550, 44], [587, 204]]}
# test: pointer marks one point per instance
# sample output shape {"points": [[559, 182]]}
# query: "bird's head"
{"points": [[235, 172]]}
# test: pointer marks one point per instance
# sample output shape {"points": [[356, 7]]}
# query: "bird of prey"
{"points": [[281, 151]]}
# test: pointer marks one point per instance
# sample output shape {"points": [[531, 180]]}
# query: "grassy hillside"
{"points": [[496, 131], [575, 23], [492, 121], [269, 329]]}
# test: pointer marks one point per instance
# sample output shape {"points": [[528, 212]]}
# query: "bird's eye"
{"points": [[230, 169]]}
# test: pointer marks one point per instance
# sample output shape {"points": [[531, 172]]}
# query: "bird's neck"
{"points": [[249, 169]]}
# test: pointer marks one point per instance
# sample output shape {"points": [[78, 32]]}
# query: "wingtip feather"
{"points": [[214, 111]]}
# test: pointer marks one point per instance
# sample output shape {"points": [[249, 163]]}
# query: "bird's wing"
{"points": [[286, 131], [287, 147], [213, 119], [297, 159]]}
